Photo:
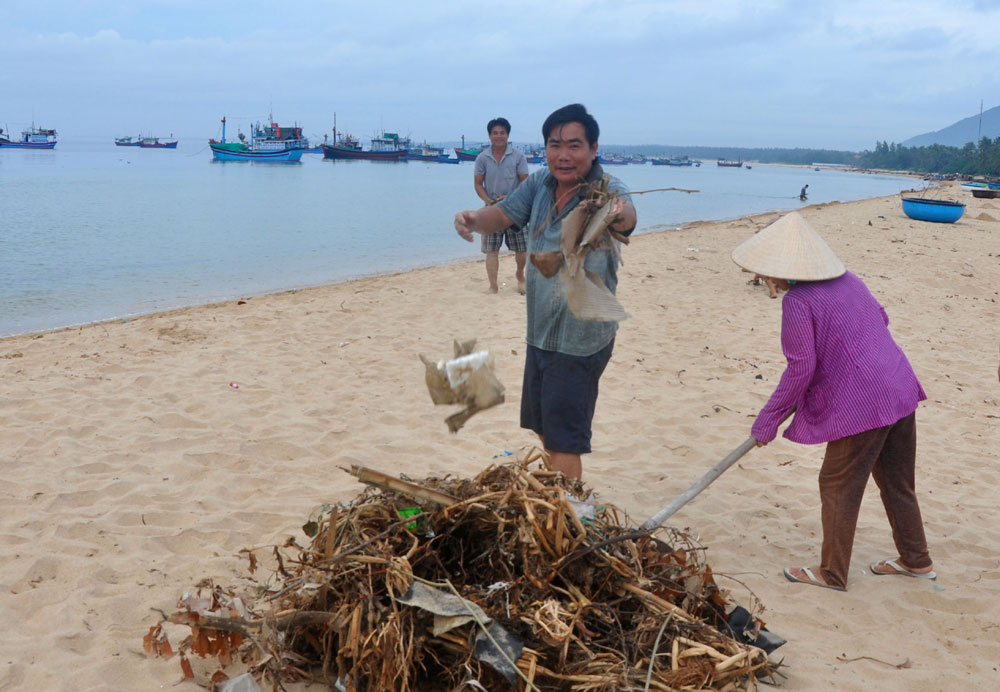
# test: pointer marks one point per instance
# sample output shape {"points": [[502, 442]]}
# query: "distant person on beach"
{"points": [[802, 194], [850, 386], [565, 355], [499, 170]]}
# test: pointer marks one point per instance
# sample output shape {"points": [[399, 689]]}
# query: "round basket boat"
{"points": [[986, 193], [936, 210]]}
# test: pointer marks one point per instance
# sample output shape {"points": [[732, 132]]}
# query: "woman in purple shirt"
{"points": [[850, 386]]}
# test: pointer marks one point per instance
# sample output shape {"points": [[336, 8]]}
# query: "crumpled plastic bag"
{"points": [[498, 649], [466, 379]]}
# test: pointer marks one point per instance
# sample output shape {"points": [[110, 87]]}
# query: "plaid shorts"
{"points": [[516, 238]]}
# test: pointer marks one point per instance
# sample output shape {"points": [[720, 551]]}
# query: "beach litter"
{"points": [[496, 583], [587, 227], [466, 379]]}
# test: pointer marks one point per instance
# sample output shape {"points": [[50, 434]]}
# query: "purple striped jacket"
{"points": [[845, 373]]}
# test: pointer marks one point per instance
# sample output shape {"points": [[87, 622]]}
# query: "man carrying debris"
{"points": [[566, 355]]}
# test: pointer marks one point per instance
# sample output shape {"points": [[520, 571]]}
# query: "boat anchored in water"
{"points": [[464, 154], [426, 152], [128, 141], [267, 143], [389, 146], [31, 138], [155, 143]]}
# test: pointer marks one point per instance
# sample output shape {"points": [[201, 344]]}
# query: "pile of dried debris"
{"points": [[510, 580]]}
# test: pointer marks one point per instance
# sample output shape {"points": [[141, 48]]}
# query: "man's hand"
{"points": [[465, 224]]}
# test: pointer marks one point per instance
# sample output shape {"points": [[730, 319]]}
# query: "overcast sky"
{"points": [[839, 74]]}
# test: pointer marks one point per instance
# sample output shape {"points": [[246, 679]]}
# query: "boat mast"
{"points": [[223, 129]]}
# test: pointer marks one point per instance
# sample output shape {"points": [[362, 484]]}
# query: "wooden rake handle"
{"points": [[657, 519]]}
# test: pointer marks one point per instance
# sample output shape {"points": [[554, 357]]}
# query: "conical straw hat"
{"points": [[789, 249]]}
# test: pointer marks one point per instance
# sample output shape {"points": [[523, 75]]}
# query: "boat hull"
{"points": [[287, 156], [159, 145], [27, 145], [986, 193], [465, 154], [359, 154], [934, 210]]}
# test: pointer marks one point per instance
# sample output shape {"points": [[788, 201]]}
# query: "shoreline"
{"points": [[134, 469], [212, 302]]}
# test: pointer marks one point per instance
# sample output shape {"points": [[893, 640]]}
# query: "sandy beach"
{"points": [[140, 456]]}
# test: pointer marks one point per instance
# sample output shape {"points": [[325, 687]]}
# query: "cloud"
{"points": [[769, 73]]}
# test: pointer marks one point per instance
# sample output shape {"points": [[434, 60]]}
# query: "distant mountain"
{"points": [[960, 133]]}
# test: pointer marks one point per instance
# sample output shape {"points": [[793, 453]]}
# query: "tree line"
{"points": [[982, 159]]}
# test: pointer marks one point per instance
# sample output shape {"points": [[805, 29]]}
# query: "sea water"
{"points": [[91, 232]]}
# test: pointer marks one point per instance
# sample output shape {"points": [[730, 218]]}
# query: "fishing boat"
{"points": [[674, 161], [537, 156], [730, 164], [986, 192], [936, 210], [612, 160], [155, 143], [269, 142], [424, 152], [128, 141], [31, 138], [469, 154], [389, 146], [979, 185]]}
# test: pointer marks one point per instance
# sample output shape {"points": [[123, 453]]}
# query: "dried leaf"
{"points": [[155, 642], [186, 668]]}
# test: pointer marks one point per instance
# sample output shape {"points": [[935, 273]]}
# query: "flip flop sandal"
{"points": [[900, 570], [810, 578]]}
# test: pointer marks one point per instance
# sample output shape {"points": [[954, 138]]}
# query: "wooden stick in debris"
{"points": [[381, 480]]}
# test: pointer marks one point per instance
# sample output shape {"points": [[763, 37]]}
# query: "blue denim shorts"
{"points": [[515, 238], [559, 396]]}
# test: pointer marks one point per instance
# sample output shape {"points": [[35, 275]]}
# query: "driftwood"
{"points": [[510, 580]]}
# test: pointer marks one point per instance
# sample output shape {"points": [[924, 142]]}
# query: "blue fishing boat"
{"points": [[936, 210], [537, 156], [128, 141], [269, 142], [31, 138], [431, 154]]}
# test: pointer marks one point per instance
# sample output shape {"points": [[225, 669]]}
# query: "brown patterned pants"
{"points": [[888, 454]]}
